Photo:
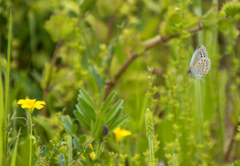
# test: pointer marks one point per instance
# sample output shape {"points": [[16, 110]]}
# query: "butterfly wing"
{"points": [[200, 52], [201, 67]]}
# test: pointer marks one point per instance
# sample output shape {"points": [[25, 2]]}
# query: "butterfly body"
{"points": [[200, 63]]}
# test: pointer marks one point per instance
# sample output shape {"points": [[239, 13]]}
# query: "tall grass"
{"points": [[5, 107]]}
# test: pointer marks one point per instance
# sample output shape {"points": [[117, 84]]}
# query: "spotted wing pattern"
{"points": [[201, 67], [200, 53]]}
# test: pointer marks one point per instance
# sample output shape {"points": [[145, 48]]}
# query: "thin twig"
{"points": [[148, 45], [53, 62], [230, 147]]}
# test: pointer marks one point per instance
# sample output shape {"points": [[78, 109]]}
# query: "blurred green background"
{"points": [[59, 47]]}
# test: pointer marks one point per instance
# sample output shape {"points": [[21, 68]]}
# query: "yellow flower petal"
{"points": [[91, 146], [119, 134], [38, 106], [125, 133], [26, 106], [21, 101], [117, 130], [40, 102], [30, 101]]}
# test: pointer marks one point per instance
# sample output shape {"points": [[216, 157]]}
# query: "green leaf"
{"points": [[118, 123], [87, 5], [114, 111], [98, 132], [87, 99], [101, 98], [82, 120], [45, 125], [98, 161], [60, 27], [84, 163], [115, 118], [210, 20], [88, 150], [231, 9], [68, 126], [96, 76], [86, 109], [13, 161], [61, 160], [82, 111], [225, 24], [43, 150], [174, 22], [76, 145], [82, 139], [107, 103]]}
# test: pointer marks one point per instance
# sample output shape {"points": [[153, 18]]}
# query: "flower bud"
{"points": [[105, 130]]}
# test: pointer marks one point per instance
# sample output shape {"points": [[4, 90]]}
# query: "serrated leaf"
{"points": [[231, 9], [61, 160], [87, 99], [82, 120], [60, 27], [118, 123], [114, 111]]}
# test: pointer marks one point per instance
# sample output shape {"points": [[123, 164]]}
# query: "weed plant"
{"points": [[90, 83]]}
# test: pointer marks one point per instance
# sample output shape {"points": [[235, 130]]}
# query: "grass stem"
{"points": [[30, 154]]}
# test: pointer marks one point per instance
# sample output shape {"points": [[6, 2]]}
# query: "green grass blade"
{"points": [[4, 138], [1, 119], [13, 162]]}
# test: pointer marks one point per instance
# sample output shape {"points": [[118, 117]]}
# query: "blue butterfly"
{"points": [[200, 63]]}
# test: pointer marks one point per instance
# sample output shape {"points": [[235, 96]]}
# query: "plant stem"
{"points": [[98, 149], [69, 149], [151, 150], [30, 155], [199, 113]]}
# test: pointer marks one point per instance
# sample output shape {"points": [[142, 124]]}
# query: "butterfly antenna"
{"points": [[180, 68]]}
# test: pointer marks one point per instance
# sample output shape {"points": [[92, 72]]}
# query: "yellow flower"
{"points": [[119, 133], [92, 154], [30, 104]]}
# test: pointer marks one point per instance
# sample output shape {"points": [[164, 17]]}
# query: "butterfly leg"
{"points": [[201, 78]]}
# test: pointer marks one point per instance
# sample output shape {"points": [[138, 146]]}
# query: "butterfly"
{"points": [[200, 63]]}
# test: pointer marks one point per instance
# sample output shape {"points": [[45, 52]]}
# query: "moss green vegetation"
{"points": [[107, 73]]}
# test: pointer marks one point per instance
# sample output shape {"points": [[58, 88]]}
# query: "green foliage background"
{"points": [[59, 47]]}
